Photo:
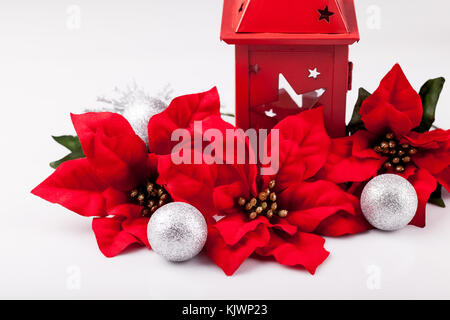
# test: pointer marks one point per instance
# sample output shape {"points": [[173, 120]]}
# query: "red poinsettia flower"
{"points": [[298, 203], [118, 182], [390, 143]]}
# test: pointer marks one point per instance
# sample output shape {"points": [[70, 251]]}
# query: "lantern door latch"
{"points": [[350, 75]]}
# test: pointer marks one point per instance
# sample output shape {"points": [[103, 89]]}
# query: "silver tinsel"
{"points": [[389, 202], [136, 106], [177, 231]]}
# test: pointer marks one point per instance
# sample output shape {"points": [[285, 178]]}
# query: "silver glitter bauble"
{"points": [[138, 114], [389, 202], [177, 231], [135, 105]]}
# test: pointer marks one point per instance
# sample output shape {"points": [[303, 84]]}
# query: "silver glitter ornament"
{"points": [[389, 202], [138, 115], [177, 231], [136, 106]]}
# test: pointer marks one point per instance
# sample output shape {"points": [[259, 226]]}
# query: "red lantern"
{"points": [[291, 55]]}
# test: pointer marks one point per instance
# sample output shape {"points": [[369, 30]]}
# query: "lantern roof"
{"points": [[289, 22]]}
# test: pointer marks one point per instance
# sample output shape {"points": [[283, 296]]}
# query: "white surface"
{"points": [[48, 69]]}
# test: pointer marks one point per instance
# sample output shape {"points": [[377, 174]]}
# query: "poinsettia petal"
{"points": [[409, 171], [302, 249], [428, 140], [205, 184], [152, 166], [138, 228], [362, 146], [117, 154], [444, 178], [303, 147], [236, 226], [311, 203], [342, 224], [424, 184], [190, 183], [181, 113], [352, 159], [384, 117], [75, 186], [238, 161], [284, 225], [434, 150], [114, 198], [225, 196], [395, 105], [127, 210], [433, 161], [111, 237], [229, 258]]}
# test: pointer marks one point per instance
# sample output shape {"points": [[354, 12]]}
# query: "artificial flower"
{"points": [[118, 182], [302, 202], [389, 140]]}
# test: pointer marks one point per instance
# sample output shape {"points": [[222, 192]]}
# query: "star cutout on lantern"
{"points": [[313, 73], [270, 113], [325, 14], [305, 100]]}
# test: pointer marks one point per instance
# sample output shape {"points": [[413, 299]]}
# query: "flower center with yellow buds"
{"points": [[265, 204], [150, 196], [399, 155]]}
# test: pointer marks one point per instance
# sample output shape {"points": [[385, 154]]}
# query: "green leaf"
{"points": [[72, 143], [72, 156], [436, 197], [356, 123], [429, 93]]}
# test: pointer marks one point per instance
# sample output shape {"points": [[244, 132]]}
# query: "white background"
{"points": [[51, 65]]}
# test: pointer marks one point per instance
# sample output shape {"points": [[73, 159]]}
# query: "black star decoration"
{"points": [[325, 14]]}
